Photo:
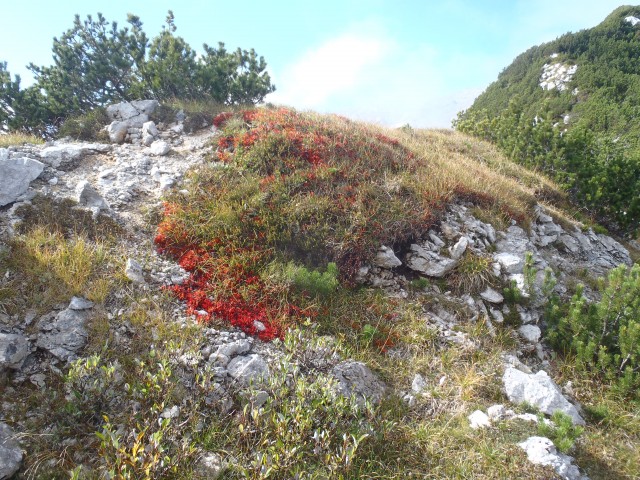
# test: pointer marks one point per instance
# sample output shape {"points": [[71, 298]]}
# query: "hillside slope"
{"points": [[570, 107], [294, 295]]}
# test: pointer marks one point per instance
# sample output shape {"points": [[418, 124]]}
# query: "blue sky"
{"points": [[386, 61]]}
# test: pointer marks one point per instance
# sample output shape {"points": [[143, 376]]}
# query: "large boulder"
{"points": [[540, 391], [15, 176], [385, 258]]}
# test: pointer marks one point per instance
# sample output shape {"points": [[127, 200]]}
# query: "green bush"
{"points": [[604, 336], [562, 431], [313, 282], [88, 126]]}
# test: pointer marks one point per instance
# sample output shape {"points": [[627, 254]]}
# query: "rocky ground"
{"points": [[126, 179]]}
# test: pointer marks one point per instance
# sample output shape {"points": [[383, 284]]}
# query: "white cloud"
{"points": [[340, 64], [367, 75]]}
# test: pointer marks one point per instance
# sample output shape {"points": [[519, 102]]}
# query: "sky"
{"points": [[391, 62]]}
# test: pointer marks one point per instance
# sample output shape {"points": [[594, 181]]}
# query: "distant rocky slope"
{"points": [[225, 372], [569, 107]]}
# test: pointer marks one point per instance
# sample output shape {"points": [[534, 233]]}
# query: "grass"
{"points": [[18, 138], [312, 189], [275, 233]]}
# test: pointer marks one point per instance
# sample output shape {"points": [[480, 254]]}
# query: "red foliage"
{"points": [[221, 119]]}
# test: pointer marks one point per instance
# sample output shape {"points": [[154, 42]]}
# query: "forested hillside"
{"points": [[570, 108]]}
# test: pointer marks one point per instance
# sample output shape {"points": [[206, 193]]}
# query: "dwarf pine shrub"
{"points": [[604, 336]]}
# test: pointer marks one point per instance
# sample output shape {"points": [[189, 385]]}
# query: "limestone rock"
{"points": [[159, 148], [479, 419], [149, 128], [540, 391], [542, 451], [64, 335], [15, 176], [10, 452], [385, 258], [117, 131], [87, 195], [491, 296], [459, 248], [531, 333], [79, 303], [355, 378], [14, 348], [133, 271], [248, 368], [429, 263]]}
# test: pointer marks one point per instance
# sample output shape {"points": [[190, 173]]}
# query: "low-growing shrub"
{"points": [[472, 274], [88, 126], [604, 336], [562, 431]]}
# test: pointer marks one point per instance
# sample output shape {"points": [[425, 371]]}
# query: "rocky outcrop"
{"points": [[129, 119]]}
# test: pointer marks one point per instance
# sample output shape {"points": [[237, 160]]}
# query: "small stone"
{"points": [[14, 349], [542, 451], [172, 412], [79, 303], [479, 419], [355, 378], [496, 412], [459, 248], [492, 296], [245, 369], [87, 195], [133, 271], [385, 258], [418, 384], [531, 333], [209, 466], [159, 148], [259, 326]]}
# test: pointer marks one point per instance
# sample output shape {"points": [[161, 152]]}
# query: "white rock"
{"points": [[117, 131], [491, 296], [385, 258], [509, 262], [133, 271], [159, 148], [87, 195], [459, 248], [429, 263], [149, 128], [10, 452], [542, 451], [418, 384], [232, 349], [632, 20], [531, 333], [15, 176], [479, 419], [538, 390], [497, 412], [245, 369]]}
